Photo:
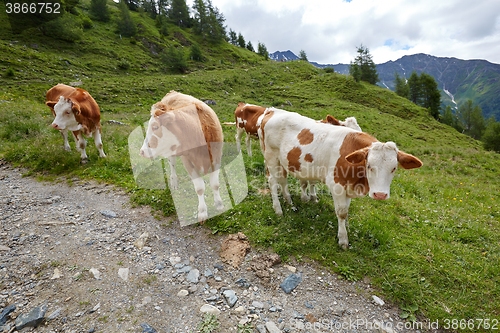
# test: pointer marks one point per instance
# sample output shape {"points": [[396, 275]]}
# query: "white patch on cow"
{"points": [[65, 118], [381, 165], [167, 143]]}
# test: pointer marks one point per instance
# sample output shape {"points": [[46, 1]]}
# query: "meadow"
{"points": [[433, 248]]}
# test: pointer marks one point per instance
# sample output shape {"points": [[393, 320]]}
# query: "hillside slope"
{"points": [[432, 248]]}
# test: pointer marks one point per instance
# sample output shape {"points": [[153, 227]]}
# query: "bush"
{"points": [[10, 72], [175, 60], [67, 28], [491, 136]]}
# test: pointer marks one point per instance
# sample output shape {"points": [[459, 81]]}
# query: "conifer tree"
{"points": [[363, 68]]}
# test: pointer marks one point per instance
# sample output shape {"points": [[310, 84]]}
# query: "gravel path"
{"points": [[88, 261]]}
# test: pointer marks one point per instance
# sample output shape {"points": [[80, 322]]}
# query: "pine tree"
{"points": [[126, 26], [363, 68], [99, 10], [179, 13], [233, 37], [303, 55], [241, 41], [471, 118], [250, 46], [262, 50], [400, 86]]}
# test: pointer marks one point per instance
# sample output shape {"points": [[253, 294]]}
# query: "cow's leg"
{"points": [[341, 202], [239, 133], [174, 183], [81, 144], [98, 142], [275, 173], [312, 192], [248, 143], [64, 134], [304, 196], [214, 184], [199, 187]]}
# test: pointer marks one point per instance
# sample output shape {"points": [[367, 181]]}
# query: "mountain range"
{"points": [[458, 80]]}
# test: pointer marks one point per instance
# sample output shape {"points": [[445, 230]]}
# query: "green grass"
{"points": [[432, 247]]}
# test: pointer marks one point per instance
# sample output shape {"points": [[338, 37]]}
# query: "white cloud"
{"points": [[329, 30]]}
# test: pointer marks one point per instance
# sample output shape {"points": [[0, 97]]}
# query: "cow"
{"points": [[181, 125], [350, 163], [246, 116], [75, 110]]}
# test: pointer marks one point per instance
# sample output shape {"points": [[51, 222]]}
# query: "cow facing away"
{"points": [[247, 116], [351, 163], [75, 110], [181, 125]]}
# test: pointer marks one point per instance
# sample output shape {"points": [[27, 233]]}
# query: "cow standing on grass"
{"points": [[75, 110], [181, 125], [351, 163]]}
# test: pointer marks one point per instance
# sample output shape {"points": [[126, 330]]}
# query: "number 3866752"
{"points": [[32, 8]]}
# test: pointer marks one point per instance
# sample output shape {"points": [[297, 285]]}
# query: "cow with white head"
{"points": [[351, 163]]}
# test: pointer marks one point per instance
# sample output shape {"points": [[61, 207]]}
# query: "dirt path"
{"points": [[77, 253]]}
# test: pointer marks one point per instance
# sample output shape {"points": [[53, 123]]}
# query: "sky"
{"points": [[329, 31]]}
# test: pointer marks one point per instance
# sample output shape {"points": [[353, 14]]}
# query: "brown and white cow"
{"points": [[351, 163], [246, 116], [75, 110], [181, 125]]}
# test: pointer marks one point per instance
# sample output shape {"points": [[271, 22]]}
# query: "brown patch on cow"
{"points": [[308, 158], [265, 119], [305, 137], [353, 175], [293, 158], [249, 114], [234, 249]]}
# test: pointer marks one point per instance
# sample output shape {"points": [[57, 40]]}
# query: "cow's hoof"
{"points": [[84, 161], [344, 246]]}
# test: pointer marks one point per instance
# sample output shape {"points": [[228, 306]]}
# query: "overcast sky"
{"points": [[329, 30]]}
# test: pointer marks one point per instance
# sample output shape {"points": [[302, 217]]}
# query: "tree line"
{"points": [[204, 20], [423, 91]]}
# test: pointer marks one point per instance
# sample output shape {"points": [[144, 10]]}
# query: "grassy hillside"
{"points": [[432, 248]]}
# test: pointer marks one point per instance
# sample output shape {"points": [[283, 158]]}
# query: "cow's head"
{"points": [[159, 141], [65, 111], [381, 161]]}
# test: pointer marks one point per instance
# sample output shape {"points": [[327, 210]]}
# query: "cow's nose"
{"points": [[55, 126], [379, 195]]}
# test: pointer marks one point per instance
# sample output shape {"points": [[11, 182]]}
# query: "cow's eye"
{"points": [[66, 112], [393, 170]]}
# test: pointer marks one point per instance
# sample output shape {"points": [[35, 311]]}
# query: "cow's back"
{"points": [[304, 147]]}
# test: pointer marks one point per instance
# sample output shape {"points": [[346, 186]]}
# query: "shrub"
{"points": [[67, 28]]}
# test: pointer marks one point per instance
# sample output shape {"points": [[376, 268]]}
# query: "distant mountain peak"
{"points": [[283, 56]]}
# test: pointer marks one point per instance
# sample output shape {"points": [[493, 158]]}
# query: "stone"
{"points": [[109, 213], [231, 297], [57, 274], [183, 293], [31, 319], [193, 276], [378, 300], [147, 329], [258, 305], [5, 313], [291, 268], [207, 308], [208, 273], [95, 272], [291, 282], [261, 328], [141, 241], [174, 260], [243, 283], [272, 328], [123, 273], [4, 248], [54, 314]]}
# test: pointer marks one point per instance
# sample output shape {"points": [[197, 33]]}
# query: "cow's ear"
{"points": [[408, 161], [50, 104], [332, 120], [75, 107], [357, 157]]}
